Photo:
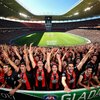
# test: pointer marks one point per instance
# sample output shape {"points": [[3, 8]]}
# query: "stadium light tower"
{"points": [[48, 23], [23, 15]]}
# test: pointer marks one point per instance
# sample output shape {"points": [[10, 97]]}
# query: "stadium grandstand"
{"points": [[50, 55]]}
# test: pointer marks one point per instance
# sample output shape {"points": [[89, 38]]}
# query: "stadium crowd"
{"points": [[92, 35], [49, 68]]}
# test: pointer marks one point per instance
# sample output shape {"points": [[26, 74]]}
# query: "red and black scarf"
{"points": [[42, 77], [52, 79], [24, 77], [69, 79]]}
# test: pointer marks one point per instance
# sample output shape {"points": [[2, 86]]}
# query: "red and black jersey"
{"points": [[70, 79], [86, 79], [40, 78], [54, 80]]}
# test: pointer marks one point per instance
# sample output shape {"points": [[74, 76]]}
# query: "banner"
{"points": [[76, 94]]}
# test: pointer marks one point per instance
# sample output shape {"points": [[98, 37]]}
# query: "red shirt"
{"points": [[1, 77]]}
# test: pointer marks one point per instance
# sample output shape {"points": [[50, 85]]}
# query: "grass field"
{"points": [[51, 39]]}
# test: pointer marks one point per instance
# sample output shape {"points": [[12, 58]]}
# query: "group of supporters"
{"points": [[91, 34], [49, 68]]}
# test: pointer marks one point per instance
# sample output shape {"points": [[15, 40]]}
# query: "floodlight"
{"points": [[24, 15], [88, 8], [76, 13]]}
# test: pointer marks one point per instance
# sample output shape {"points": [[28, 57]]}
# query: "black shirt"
{"points": [[12, 80]]}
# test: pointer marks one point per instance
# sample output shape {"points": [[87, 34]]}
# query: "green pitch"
{"points": [[51, 39]]}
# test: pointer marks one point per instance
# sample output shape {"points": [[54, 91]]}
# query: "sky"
{"points": [[48, 7]]}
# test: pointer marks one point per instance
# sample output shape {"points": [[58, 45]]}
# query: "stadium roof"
{"points": [[85, 9]]}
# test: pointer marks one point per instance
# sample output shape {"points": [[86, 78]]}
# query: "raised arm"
{"points": [[10, 61], [31, 56], [43, 50], [1, 63], [15, 49], [48, 61], [73, 53], [85, 58], [59, 62], [26, 58], [63, 56]]}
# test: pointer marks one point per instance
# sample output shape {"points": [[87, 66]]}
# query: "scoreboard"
{"points": [[48, 23]]}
